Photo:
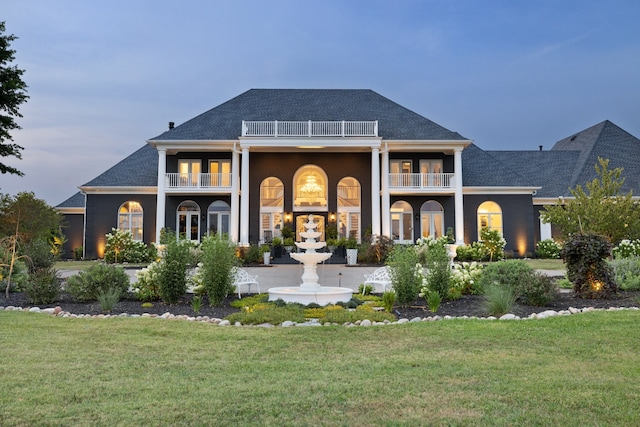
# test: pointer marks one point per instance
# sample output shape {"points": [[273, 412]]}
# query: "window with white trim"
{"points": [[130, 218]]}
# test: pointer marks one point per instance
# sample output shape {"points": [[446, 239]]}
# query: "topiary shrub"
{"points": [[99, 278], [585, 256]]}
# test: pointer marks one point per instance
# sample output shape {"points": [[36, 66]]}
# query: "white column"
{"points": [[235, 196], [161, 196], [545, 230], [459, 223], [375, 191], [244, 199], [386, 200]]}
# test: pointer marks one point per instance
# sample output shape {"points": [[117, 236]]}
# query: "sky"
{"points": [[105, 76]]}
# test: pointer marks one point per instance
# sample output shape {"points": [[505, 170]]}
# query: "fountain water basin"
{"points": [[310, 291]]}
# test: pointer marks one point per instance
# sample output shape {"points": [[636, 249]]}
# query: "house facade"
{"points": [[354, 159]]}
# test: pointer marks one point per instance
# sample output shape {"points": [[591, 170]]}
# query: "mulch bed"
{"points": [[468, 305]]}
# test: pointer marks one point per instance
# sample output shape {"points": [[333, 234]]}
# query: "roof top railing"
{"points": [[309, 128]]}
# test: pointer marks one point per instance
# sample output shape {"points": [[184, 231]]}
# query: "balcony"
{"points": [[198, 182], [309, 128], [404, 183]]}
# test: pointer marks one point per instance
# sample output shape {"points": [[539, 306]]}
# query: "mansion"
{"points": [[267, 159]]}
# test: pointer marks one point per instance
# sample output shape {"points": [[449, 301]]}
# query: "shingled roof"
{"points": [[608, 141], [139, 169], [547, 169], [224, 122], [481, 169]]}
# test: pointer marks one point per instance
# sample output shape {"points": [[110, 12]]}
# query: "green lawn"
{"points": [[575, 370], [546, 264]]}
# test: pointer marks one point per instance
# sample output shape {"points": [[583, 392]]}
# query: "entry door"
{"points": [[189, 225], [401, 227], [219, 223]]}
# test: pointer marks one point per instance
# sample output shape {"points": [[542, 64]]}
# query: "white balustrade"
{"points": [[198, 180], [289, 128], [419, 181]]}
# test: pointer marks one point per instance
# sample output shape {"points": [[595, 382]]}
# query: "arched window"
{"points": [[489, 216], [130, 216], [310, 189], [188, 221], [402, 222], [432, 219], [349, 208], [218, 218], [271, 208]]}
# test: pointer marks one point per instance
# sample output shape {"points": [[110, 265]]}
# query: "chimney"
{"points": [[171, 125], [540, 146]]}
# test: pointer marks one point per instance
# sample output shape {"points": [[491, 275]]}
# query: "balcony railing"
{"points": [[421, 181], [341, 128], [198, 180]]}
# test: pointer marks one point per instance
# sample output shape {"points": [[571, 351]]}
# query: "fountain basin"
{"points": [[321, 295]]}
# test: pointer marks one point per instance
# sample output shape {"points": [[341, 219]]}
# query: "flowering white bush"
{"points": [[627, 249], [464, 278], [147, 287], [548, 248]]}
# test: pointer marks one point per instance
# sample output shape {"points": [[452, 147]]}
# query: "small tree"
{"points": [[12, 94], [601, 209]]}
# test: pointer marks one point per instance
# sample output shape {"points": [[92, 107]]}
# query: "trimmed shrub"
{"points": [[86, 285], [585, 255], [528, 286], [43, 286]]}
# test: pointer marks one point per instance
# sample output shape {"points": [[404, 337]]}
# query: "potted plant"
{"points": [[288, 244], [341, 243], [277, 247], [331, 245], [352, 251], [265, 250]]}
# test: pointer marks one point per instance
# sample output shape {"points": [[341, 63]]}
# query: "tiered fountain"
{"points": [[310, 290]]}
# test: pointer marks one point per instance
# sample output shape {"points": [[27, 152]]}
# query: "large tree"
{"points": [[600, 209], [12, 94]]}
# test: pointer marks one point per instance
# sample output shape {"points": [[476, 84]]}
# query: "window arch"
{"points": [[271, 208], [218, 218], [310, 189], [188, 221], [402, 222], [349, 201], [489, 216], [432, 219], [130, 218]]}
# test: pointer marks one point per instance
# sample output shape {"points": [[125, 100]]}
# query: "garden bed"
{"points": [[468, 305]]}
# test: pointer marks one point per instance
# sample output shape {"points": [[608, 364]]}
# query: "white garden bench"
{"points": [[381, 276], [242, 277]]}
